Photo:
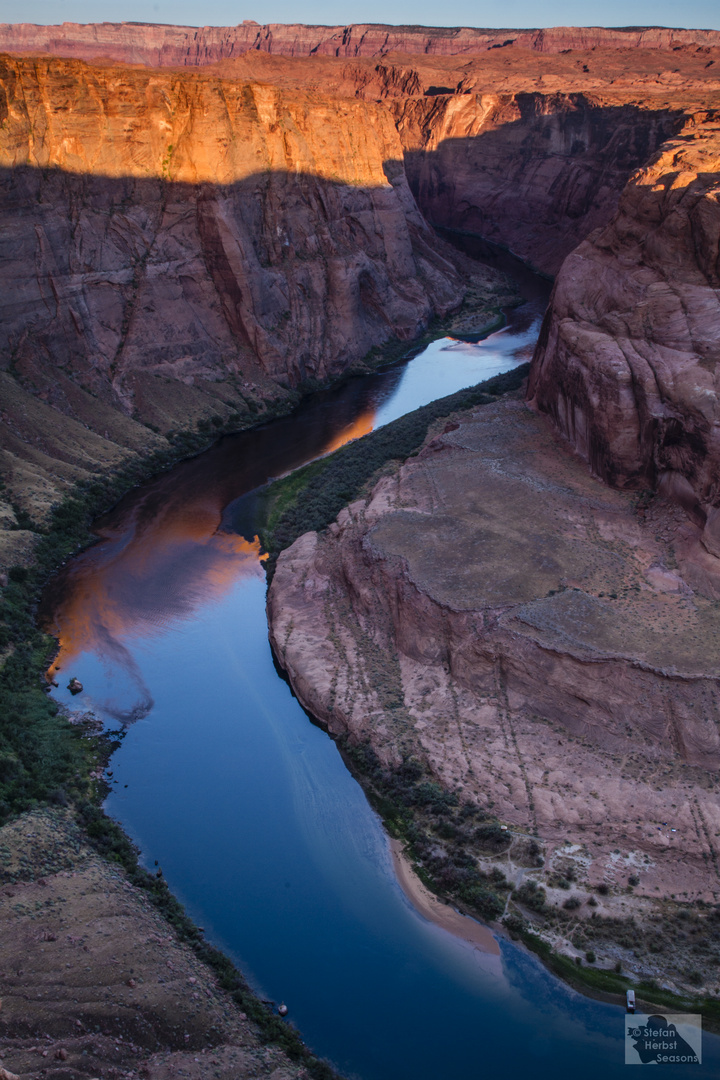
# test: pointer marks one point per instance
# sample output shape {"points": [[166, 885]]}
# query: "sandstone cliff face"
{"points": [[534, 172], [179, 246], [628, 357], [495, 610], [172, 46]]}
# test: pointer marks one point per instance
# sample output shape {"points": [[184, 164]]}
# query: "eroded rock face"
{"points": [[627, 359], [177, 248], [531, 634], [202, 231], [534, 172]]}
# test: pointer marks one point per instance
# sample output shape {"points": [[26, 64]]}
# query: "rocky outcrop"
{"points": [[522, 628], [627, 360], [173, 46]]}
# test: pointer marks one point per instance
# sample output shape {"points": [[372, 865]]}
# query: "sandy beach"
{"points": [[429, 906]]}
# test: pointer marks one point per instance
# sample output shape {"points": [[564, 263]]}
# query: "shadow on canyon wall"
{"points": [[138, 305], [627, 357], [130, 303], [276, 274], [133, 302], [546, 172], [287, 276]]}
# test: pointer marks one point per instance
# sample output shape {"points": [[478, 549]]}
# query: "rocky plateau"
{"points": [[175, 46]]}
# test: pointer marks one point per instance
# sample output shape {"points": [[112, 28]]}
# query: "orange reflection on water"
{"points": [[362, 426], [144, 577], [162, 556]]}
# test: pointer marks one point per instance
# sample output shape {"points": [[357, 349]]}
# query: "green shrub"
{"points": [[531, 895], [492, 836], [431, 795], [484, 901]]}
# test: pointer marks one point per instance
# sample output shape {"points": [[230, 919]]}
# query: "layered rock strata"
{"points": [[197, 229], [532, 636], [627, 360], [174, 46]]}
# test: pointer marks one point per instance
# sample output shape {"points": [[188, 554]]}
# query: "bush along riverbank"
{"points": [[468, 859], [603, 938], [447, 840]]}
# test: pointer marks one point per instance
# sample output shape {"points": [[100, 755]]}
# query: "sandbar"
{"points": [[433, 909]]}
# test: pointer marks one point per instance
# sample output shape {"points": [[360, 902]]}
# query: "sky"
{"points": [[510, 13]]}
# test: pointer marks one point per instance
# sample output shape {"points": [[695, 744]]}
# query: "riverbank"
{"points": [[432, 908], [96, 981]]}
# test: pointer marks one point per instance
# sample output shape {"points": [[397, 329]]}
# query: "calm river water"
{"points": [[257, 824]]}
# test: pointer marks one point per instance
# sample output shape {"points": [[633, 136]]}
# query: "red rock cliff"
{"points": [[627, 360], [212, 232], [179, 243], [171, 46]]}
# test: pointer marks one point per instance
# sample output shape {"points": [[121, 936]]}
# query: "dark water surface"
{"points": [[257, 824]]}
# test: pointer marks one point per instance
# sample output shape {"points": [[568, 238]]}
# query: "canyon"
{"points": [[205, 243], [187, 249], [201, 225]]}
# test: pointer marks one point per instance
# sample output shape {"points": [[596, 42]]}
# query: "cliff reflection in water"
{"points": [[162, 552], [142, 577], [182, 540]]}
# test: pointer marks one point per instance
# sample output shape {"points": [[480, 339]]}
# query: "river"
{"points": [[247, 806]]}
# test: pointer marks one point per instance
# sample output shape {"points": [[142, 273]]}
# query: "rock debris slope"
{"points": [[94, 981]]}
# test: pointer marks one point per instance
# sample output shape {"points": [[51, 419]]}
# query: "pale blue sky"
{"points": [[510, 13]]}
